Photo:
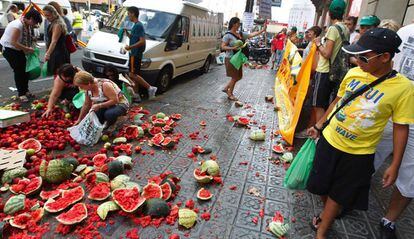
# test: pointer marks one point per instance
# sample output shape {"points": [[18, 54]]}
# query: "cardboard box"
{"points": [[11, 117]]}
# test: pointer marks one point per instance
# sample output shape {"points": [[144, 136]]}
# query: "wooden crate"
{"points": [[11, 117]]}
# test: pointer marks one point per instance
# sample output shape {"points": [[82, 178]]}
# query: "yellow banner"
{"points": [[291, 86]]}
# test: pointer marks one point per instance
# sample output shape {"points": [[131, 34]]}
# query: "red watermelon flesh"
{"points": [[100, 192], [243, 121], [128, 199], [157, 139], [152, 190], [155, 130], [75, 215], [166, 191], [30, 144], [45, 195], [27, 186], [99, 160], [67, 198]]}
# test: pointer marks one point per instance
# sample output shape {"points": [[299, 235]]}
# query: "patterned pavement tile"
{"points": [[242, 233], [246, 219]]}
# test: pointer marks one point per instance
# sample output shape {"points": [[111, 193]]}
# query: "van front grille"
{"points": [[110, 59]]}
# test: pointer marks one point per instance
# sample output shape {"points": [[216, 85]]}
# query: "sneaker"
{"points": [[386, 232], [23, 99], [151, 92]]}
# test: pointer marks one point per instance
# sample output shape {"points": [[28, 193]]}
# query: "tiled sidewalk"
{"points": [[233, 207]]}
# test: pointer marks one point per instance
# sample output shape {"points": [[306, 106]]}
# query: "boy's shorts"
{"points": [[344, 177], [135, 65]]}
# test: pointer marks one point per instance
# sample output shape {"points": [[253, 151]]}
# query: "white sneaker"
{"points": [[151, 92]]}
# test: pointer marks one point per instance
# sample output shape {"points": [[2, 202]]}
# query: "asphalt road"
{"points": [[7, 86]]}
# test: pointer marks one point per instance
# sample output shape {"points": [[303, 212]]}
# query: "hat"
{"points": [[370, 20], [337, 7], [379, 40], [294, 29]]}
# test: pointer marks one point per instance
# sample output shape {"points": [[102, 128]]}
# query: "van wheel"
{"points": [[206, 66], [164, 79]]}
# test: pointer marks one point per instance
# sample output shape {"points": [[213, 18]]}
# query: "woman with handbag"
{"points": [[102, 96], [57, 53], [228, 45], [16, 43]]}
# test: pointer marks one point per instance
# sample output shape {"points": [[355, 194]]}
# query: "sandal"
{"points": [[314, 224]]}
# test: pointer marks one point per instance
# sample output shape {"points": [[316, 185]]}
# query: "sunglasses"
{"points": [[365, 59]]}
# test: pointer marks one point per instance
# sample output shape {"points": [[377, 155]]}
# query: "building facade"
{"points": [[263, 9]]}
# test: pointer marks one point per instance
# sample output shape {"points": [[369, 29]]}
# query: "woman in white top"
{"points": [[15, 49], [102, 96]]}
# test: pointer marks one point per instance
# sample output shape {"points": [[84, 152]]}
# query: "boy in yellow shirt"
{"points": [[344, 159]]}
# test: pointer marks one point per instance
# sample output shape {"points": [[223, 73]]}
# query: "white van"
{"points": [[180, 37], [41, 3]]}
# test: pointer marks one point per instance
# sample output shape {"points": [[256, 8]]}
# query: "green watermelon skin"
{"points": [[55, 171], [14, 204]]}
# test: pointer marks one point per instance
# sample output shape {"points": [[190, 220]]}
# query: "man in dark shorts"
{"points": [[137, 48], [344, 158]]}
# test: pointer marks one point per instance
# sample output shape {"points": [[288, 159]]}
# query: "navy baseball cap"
{"points": [[379, 40]]}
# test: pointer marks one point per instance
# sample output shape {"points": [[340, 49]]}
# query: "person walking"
{"points": [[403, 193], [136, 50], [57, 53], [63, 87], [368, 96], [14, 49], [102, 96], [228, 45], [279, 47], [327, 51], [77, 24]]}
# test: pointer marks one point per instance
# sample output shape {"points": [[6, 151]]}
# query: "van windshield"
{"points": [[156, 24]]}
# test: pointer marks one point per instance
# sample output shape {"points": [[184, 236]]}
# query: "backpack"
{"points": [[340, 64], [245, 50]]}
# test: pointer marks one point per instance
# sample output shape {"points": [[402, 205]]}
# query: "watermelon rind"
{"points": [[105, 208], [78, 211], [152, 190], [129, 194]]}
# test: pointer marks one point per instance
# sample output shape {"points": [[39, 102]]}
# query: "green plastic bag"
{"points": [[126, 92], [298, 173], [33, 64], [45, 71], [120, 34], [79, 99], [238, 59]]}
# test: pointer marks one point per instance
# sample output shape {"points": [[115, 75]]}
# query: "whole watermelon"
{"points": [[55, 171]]}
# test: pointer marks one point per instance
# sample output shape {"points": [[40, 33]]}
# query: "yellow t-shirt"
{"points": [[357, 128], [333, 35]]}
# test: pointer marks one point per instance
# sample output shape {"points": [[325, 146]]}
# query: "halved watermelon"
{"points": [[45, 195], [157, 139], [154, 130], [175, 116], [201, 177], [27, 186], [100, 192], [278, 148], [128, 199], [243, 121], [20, 221], [67, 198], [168, 142], [152, 190], [99, 160], [30, 144], [166, 191], [204, 194], [75, 215]]}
